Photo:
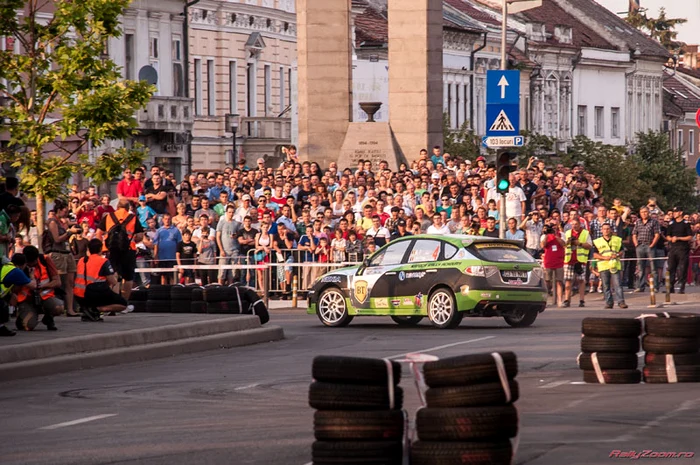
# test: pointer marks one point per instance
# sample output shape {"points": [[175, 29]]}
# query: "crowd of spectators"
{"points": [[299, 212]]}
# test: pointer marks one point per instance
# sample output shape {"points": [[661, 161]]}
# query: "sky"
{"points": [[689, 9]]}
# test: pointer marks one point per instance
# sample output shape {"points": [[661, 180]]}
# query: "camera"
{"points": [[548, 230]]}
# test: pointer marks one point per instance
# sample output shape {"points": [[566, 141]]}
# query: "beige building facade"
{"points": [[241, 56]]}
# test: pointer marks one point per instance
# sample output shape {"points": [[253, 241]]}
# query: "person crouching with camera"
{"points": [[42, 299]]}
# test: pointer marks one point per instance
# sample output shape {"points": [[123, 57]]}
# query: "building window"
{"points": [[679, 142], [282, 79], [233, 86], [178, 75], [289, 86], [252, 94], [197, 86], [615, 122], [153, 48], [211, 89], [599, 121], [268, 90], [582, 120], [691, 142], [129, 56]]}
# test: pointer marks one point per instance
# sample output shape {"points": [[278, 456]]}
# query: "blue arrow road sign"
{"points": [[697, 165], [502, 87], [502, 120]]}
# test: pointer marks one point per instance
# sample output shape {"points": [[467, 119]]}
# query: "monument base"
{"points": [[374, 142]]}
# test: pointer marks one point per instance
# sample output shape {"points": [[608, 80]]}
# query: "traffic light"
{"points": [[503, 169]]}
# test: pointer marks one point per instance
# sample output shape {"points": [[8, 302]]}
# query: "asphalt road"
{"points": [[249, 405]]}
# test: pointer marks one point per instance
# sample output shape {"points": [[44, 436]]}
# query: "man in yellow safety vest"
{"points": [[608, 250]]}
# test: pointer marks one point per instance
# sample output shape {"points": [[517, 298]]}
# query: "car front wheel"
{"points": [[521, 318], [442, 309], [332, 308]]}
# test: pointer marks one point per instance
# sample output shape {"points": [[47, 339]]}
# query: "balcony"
{"points": [[270, 128], [169, 114]]}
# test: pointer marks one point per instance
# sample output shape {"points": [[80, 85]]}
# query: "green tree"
{"points": [[662, 29], [536, 145], [65, 95], [463, 143], [664, 171]]}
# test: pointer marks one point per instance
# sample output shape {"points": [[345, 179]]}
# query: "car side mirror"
{"points": [[365, 262]]}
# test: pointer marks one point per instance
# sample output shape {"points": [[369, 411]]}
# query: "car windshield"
{"points": [[500, 252]]}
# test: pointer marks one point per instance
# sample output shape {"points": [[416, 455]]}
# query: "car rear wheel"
{"points": [[521, 318], [442, 309], [332, 309], [407, 320]]}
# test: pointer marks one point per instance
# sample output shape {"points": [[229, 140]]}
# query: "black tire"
{"points": [[216, 294], [357, 453], [158, 306], [461, 453], [468, 369], [442, 309], [197, 294], [609, 361], [181, 293], [477, 395], [158, 292], [654, 359], [521, 318], [180, 306], [218, 308], [327, 396], [611, 327], [614, 376], [359, 426], [684, 374], [610, 344], [139, 306], [467, 424], [332, 309], [138, 295], [407, 320], [198, 307], [353, 370], [670, 345], [252, 303], [687, 326]]}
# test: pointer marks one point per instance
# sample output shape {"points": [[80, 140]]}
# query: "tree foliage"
{"points": [[463, 143], [64, 92], [661, 29], [652, 170]]}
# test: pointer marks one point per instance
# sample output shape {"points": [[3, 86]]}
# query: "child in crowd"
{"points": [[186, 252], [338, 246], [354, 247], [207, 256], [493, 210], [144, 212]]}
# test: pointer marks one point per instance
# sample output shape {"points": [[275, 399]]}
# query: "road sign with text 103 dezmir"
{"points": [[502, 103]]}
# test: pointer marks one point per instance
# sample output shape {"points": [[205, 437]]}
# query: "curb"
{"points": [[102, 358], [134, 337]]}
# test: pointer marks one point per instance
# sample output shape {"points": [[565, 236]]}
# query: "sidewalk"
{"points": [[124, 338]]}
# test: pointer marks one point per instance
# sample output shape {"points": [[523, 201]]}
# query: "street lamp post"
{"points": [[233, 120]]}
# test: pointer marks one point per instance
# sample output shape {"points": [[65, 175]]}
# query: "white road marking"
{"points": [[433, 349], [687, 405], [579, 382], [553, 384], [79, 421], [248, 386]]}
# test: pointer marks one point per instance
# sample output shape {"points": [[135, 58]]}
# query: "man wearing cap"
{"points": [[678, 234], [480, 164], [400, 230], [245, 209]]}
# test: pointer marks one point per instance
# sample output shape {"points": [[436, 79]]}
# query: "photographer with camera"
{"points": [[578, 244], [55, 243], [33, 301], [533, 226], [553, 243]]}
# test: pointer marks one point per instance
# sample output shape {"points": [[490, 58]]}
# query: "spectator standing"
{"points": [[438, 227], [645, 235], [553, 243], [206, 255], [513, 233], [185, 255], [515, 201], [165, 247], [56, 244], [246, 239], [578, 245], [380, 234], [608, 251], [227, 242], [491, 230], [8, 217], [533, 225], [679, 236], [156, 196], [144, 212]]}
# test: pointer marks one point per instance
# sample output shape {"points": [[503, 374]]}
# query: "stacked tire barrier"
{"points": [[359, 417], [672, 348], [609, 349], [191, 298], [470, 416]]}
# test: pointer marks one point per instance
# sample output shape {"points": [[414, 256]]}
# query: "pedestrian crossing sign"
{"points": [[502, 120]]}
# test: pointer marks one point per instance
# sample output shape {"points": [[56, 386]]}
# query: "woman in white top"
{"points": [[337, 205]]}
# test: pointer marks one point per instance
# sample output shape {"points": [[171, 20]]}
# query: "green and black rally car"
{"points": [[442, 277]]}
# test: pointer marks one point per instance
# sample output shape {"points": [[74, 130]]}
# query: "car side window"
{"points": [[392, 255], [450, 251], [425, 250]]}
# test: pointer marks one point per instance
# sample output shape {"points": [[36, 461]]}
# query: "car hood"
{"points": [[349, 271]]}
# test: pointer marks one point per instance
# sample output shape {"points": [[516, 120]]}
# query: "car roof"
{"points": [[460, 240]]}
